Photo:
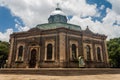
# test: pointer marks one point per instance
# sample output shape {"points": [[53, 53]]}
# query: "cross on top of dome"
{"points": [[58, 8], [58, 11], [57, 5]]}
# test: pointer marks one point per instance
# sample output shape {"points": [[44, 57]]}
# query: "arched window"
{"points": [[74, 52], [49, 51], [20, 53], [98, 54], [88, 52]]}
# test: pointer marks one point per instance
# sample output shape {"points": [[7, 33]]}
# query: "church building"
{"points": [[57, 44]]}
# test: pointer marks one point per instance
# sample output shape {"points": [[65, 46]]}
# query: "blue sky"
{"points": [[7, 20], [99, 4], [9, 16]]}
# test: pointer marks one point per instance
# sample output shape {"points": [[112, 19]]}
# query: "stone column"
{"points": [[62, 49], [11, 52], [27, 55], [38, 57], [106, 52]]}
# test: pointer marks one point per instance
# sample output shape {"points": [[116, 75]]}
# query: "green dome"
{"points": [[57, 16], [56, 20]]}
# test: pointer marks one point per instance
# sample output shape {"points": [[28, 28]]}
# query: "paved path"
{"points": [[47, 77], [60, 74]]}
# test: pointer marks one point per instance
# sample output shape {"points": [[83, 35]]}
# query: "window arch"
{"points": [[20, 53], [88, 52], [49, 51], [74, 52], [98, 54]]}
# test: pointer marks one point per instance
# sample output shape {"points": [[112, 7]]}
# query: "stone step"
{"points": [[60, 71]]}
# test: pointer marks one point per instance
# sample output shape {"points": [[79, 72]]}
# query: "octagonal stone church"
{"points": [[57, 44]]}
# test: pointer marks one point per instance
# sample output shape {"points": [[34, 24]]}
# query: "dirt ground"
{"points": [[48, 77]]}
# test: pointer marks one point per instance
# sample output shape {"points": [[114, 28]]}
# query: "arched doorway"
{"points": [[32, 62]]}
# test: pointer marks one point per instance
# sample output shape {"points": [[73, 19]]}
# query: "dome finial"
{"points": [[57, 15], [58, 6]]}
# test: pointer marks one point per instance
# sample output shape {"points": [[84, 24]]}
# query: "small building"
{"points": [[57, 44]]}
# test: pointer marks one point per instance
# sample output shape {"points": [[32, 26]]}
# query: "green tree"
{"points": [[4, 50], [114, 52]]}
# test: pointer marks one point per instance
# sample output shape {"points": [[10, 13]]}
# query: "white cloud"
{"points": [[79, 7], [19, 27], [37, 12], [5, 36], [115, 5], [30, 11], [106, 27], [102, 7], [111, 17], [34, 12]]}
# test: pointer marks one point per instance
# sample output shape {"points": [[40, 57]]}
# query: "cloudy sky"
{"points": [[102, 16]]}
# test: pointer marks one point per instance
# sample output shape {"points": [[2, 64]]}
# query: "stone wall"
{"points": [[61, 39]]}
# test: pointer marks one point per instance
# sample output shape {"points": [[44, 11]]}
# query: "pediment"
{"points": [[88, 31]]}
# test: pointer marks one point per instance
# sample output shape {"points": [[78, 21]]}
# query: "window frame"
{"points": [[49, 51], [88, 51], [20, 53], [74, 51], [49, 41], [75, 42], [99, 54], [17, 55]]}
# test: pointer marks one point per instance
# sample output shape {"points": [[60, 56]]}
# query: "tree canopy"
{"points": [[4, 50], [114, 52]]}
